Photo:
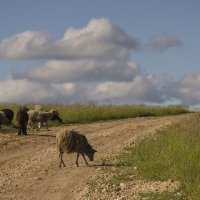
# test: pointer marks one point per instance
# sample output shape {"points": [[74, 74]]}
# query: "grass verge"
{"points": [[173, 153]]}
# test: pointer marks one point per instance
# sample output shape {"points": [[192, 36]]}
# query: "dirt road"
{"points": [[29, 164]]}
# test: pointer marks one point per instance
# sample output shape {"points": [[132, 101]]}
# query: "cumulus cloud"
{"points": [[87, 64], [163, 42], [88, 70], [143, 88], [90, 64], [186, 89], [23, 91], [29, 44], [100, 38]]}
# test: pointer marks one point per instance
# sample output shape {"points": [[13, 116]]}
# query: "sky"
{"points": [[104, 52]]}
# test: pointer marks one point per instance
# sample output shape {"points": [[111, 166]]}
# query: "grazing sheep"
{"points": [[33, 119], [38, 117], [3, 119], [38, 107], [70, 141], [9, 114], [44, 117], [56, 117], [22, 120]]}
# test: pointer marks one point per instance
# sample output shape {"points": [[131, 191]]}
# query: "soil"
{"points": [[29, 165]]}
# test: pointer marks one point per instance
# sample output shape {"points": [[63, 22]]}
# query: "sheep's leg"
{"points": [[84, 158], [77, 160], [39, 125], [19, 130], [47, 126], [61, 160], [29, 126]]}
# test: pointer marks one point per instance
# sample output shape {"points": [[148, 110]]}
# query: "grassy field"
{"points": [[83, 113], [174, 153]]}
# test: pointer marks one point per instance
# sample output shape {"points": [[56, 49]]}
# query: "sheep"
{"points": [[9, 114], [3, 119], [22, 120], [56, 117], [33, 119], [70, 141], [44, 117], [38, 107], [37, 117]]}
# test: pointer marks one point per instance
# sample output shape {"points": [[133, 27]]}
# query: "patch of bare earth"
{"points": [[29, 164]]}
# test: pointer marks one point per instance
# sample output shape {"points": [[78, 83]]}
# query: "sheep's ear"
{"points": [[94, 150]]}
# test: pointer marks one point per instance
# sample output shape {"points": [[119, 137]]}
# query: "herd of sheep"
{"points": [[68, 141], [28, 119]]}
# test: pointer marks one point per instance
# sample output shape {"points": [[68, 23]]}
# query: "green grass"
{"points": [[84, 113], [94, 112], [174, 153], [164, 196]]}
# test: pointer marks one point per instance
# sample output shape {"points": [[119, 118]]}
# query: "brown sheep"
{"points": [[44, 117], [70, 141], [22, 120], [38, 117]]}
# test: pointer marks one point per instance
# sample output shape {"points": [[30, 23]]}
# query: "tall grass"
{"points": [[81, 113], [174, 153], [84, 113]]}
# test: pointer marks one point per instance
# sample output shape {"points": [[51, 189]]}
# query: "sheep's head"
{"points": [[24, 108], [55, 116], [89, 151], [54, 112]]}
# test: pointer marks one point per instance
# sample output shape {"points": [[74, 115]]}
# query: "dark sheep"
{"points": [[3, 119], [70, 141], [56, 118], [9, 114], [22, 120]]}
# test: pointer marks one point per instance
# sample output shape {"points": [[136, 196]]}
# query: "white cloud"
{"points": [[163, 42], [89, 80], [186, 89], [79, 65], [29, 44], [88, 70], [142, 89], [90, 64], [23, 91], [100, 38]]}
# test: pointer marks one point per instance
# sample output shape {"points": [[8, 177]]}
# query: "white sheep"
{"points": [[38, 117], [33, 119]]}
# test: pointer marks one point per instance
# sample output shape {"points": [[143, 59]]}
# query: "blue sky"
{"points": [[107, 51]]}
